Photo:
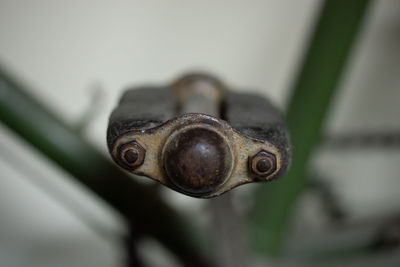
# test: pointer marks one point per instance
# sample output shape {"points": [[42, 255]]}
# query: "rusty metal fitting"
{"points": [[198, 160], [197, 155], [262, 164], [131, 154], [197, 137], [198, 84]]}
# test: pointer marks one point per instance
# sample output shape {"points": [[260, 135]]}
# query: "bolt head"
{"points": [[131, 154], [262, 164]]}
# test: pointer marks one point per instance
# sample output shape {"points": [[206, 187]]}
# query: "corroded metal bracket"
{"points": [[198, 138]]}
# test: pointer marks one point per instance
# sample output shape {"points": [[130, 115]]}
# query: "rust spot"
{"points": [[197, 160]]}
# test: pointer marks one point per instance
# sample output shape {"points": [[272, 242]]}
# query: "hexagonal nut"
{"points": [[131, 155], [263, 163]]}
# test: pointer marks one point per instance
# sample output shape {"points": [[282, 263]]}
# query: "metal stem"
{"points": [[313, 92], [202, 94]]}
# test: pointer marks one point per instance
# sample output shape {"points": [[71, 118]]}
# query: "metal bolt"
{"points": [[263, 163], [132, 154]]}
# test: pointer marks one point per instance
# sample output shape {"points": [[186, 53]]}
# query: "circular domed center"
{"points": [[131, 156], [264, 165], [197, 160]]}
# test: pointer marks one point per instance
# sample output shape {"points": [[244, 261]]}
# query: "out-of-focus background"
{"points": [[81, 55]]}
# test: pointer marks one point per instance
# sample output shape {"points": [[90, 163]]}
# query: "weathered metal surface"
{"points": [[197, 160], [256, 117], [195, 153], [140, 108], [199, 93], [159, 142]]}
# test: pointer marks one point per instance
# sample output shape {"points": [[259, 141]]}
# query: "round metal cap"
{"points": [[197, 160]]}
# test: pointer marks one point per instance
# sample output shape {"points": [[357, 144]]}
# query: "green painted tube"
{"points": [[144, 210], [313, 91]]}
